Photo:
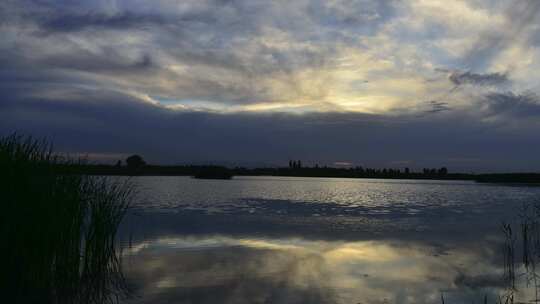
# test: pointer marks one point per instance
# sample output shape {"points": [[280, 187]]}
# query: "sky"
{"points": [[388, 83]]}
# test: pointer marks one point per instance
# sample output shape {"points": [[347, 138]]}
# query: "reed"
{"points": [[58, 229]]}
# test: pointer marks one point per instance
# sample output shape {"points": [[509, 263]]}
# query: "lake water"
{"points": [[318, 240]]}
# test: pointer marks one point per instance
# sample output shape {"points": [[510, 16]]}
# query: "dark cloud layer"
{"points": [[517, 105], [113, 122]]}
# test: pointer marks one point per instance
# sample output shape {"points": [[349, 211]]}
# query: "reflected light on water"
{"points": [[307, 271]]}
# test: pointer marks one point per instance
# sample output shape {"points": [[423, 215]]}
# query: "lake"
{"points": [[318, 240]]}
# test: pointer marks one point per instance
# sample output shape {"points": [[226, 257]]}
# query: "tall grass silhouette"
{"points": [[57, 229]]}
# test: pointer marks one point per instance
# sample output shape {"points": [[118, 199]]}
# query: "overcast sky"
{"points": [[395, 83]]}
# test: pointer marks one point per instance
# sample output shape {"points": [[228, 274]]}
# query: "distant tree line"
{"points": [[135, 165], [295, 167]]}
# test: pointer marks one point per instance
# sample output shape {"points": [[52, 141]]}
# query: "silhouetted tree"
{"points": [[443, 171], [119, 164], [299, 164], [135, 162], [407, 171]]}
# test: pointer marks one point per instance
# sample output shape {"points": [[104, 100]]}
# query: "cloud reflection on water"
{"points": [[222, 269]]}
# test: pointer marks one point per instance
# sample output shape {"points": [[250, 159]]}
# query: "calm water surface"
{"points": [[317, 240]]}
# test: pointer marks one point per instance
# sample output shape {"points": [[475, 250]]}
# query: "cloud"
{"points": [[215, 53], [438, 106], [519, 18], [490, 79], [78, 22], [363, 16], [514, 105]]}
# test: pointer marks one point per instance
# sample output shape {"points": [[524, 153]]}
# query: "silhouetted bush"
{"points": [[135, 162]]}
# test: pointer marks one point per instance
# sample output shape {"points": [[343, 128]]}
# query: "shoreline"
{"points": [[152, 170]]}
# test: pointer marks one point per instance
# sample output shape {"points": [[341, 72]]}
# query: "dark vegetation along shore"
{"points": [[135, 165], [57, 229]]}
